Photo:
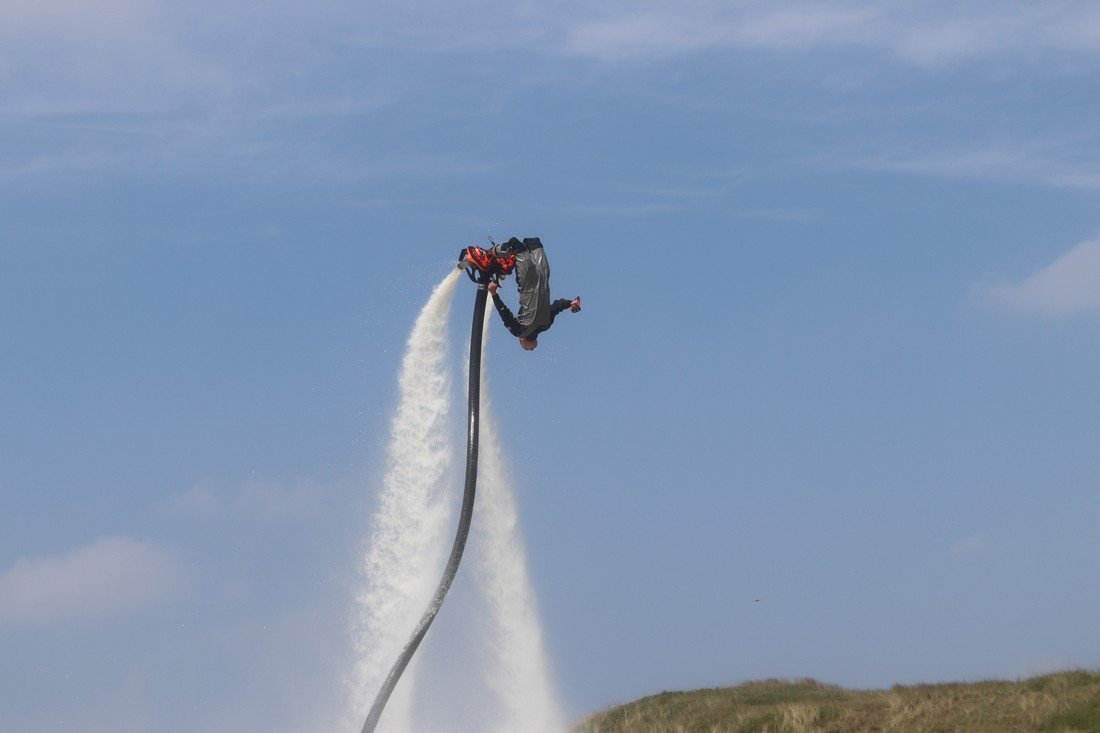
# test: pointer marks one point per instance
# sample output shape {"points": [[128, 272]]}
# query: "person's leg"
{"points": [[558, 306], [561, 304], [507, 248]]}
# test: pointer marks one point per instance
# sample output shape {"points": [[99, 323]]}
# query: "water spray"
{"points": [[482, 277]]}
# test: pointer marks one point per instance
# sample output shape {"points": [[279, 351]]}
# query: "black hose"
{"points": [[464, 518]]}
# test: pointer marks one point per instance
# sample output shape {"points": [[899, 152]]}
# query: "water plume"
{"points": [[408, 543], [518, 668], [408, 531]]}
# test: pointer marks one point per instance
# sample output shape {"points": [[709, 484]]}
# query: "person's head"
{"points": [[528, 344]]}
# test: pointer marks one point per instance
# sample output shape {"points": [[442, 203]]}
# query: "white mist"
{"points": [[500, 645], [408, 535], [518, 670]]}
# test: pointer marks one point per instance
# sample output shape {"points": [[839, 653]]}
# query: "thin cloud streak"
{"points": [[1055, 164], [664, 32], [170, 74], [151, 55], [910, 33]]}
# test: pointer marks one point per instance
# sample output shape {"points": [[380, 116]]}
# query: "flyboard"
{"points": [[482, 266]]}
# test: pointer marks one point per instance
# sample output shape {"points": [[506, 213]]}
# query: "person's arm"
{"points": [[510, 322]]}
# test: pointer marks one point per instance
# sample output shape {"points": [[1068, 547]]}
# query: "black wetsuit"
{"points": [[536, 312]]}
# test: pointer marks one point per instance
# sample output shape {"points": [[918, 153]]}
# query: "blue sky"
{"points": [[839, 264]]}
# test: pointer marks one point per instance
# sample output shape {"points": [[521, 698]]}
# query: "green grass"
{"points": [[1082, 716], [1067, 702]]}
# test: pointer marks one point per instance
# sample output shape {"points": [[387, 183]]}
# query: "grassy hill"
{"points": [[1067, 701]]}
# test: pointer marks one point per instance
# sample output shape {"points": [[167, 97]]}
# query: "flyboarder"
{"points": [[536, 314], [536, 311]]}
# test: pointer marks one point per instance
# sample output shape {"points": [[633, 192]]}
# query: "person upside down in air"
{"points": [[536, 311]]}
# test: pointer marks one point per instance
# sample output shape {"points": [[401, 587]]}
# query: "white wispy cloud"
{"points": [[658, 31], [198, 84], [925, 34], [153, 55], [107, 56], [806, 26], [1069, 164], [1066, 287], [110, 577]]}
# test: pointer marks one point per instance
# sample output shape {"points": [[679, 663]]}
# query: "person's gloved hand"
{"points": [[493, 288]]}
